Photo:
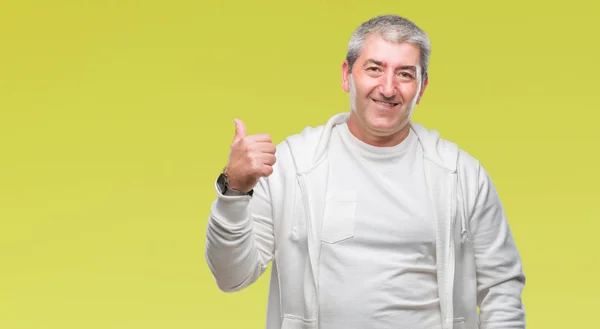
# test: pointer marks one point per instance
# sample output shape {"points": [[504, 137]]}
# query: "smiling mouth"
{"points": [[386, 104]]}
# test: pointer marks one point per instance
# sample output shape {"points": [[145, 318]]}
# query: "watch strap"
{"points": [[225, 189]]}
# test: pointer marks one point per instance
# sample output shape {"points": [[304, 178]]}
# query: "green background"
{"points": [[116, 117]]}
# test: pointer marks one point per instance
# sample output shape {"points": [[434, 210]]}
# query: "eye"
{"points": [[373, 69], [405, 75]]}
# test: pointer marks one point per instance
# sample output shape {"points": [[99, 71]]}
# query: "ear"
{"points": [[345, 77], [423, 89]]}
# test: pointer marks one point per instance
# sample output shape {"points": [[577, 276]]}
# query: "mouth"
{"points": [[385, 104]]}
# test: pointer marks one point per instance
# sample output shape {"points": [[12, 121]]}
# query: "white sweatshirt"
{"points": [[477, 261], [378, 253]]}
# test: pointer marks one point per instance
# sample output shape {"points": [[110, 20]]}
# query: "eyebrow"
{"points": [[404, 67], [376, 62]]}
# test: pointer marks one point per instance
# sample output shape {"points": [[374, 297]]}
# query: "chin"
{"points": [[384, 123], [387, 126], [383, 130]]}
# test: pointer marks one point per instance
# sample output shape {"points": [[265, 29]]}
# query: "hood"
{"points": [[309, 147]]}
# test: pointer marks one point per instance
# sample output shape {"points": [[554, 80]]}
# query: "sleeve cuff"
{"points": [[231, 210]]}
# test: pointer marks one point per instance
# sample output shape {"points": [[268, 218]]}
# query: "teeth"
{"points": [[385, 104]]}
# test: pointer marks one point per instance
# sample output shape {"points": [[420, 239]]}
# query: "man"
{"points": [[370, 220]]}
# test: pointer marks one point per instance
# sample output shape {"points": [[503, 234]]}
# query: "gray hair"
{"points": [[391, 28]]}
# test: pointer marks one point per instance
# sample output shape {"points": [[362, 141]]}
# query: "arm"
{"points": [[500, 277], [239, 238]]}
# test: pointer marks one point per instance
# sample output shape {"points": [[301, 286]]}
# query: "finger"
{"points": [[259, 138], [266, 170], [263, 147], [240, 130], [267, 159]]}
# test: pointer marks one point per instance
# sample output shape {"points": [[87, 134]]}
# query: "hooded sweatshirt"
{"points": [[284, 223]]}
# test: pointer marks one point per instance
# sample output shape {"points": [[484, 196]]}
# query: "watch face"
{"points": [[222, 183]]}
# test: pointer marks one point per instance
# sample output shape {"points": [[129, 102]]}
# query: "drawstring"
{"points": [[464, 237]]}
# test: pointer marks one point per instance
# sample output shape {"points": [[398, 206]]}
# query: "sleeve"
{"points": [[239, 237], [500, 277]]}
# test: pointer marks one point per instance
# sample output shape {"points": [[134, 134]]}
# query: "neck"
{"points": [[377, 138]]}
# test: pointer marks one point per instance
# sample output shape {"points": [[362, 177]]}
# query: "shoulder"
{"points": [[312, 136], [468, 163], [309, 135], [444, 152], [307, 139]]}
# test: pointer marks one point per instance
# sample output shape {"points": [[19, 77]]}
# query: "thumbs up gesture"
{"points": [[250, 158]]}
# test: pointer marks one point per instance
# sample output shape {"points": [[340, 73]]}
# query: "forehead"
{"points": [[389, 53]]}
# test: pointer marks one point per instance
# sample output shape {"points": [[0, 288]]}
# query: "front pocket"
{"points": [[338, 219], [458, 323], [296, 322]]}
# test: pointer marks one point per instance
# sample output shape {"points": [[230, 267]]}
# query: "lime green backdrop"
{"points": [[116, 117]]}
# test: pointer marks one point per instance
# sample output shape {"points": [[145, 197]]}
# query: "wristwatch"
{"points": [[223, 186]]}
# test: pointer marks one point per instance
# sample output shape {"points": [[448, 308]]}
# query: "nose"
{"points": [[387, 86]]}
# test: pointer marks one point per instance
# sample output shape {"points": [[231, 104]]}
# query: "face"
{"points": [[384, 87]]}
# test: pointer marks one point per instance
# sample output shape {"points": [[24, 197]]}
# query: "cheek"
{"points": [[365, 87], [409, 91]]}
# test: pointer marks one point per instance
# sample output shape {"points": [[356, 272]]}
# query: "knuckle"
{"points": [[268, 170], [248, 161], [256, 166], [247, 147]]}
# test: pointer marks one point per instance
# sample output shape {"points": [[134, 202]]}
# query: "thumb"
{"points": [[240, 129]]}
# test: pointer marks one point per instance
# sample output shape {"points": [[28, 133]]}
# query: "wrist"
{"points": [[230, 186], [234, 186]]}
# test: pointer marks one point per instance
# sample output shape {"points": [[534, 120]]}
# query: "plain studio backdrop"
{"points": [[116, 118]]}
